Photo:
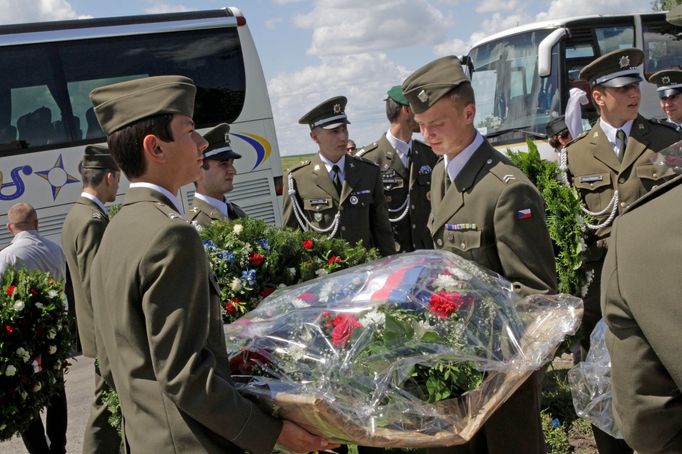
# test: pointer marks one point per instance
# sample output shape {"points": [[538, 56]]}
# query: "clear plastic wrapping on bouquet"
{"points": [[590, 383], [669, 160], [413, 350]]}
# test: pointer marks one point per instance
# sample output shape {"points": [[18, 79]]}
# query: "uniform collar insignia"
{"points": [[624, 61]]}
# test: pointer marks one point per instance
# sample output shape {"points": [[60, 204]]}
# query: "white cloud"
{"points": [[272, 23], [343, 27], [18, 11], [159, 7], [362, 78], [489, 6], [286, 2], [568, 8], [452, 47]]}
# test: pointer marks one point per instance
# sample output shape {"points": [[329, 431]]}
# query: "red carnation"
{"points": [[255, 259], [231, 306], [334, 259], [9, 329], [11, 289], [444, 304], [308, 244], [344, 324], [266, 292]]}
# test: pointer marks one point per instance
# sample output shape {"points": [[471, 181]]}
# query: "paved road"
{"points": [[80, 386]]}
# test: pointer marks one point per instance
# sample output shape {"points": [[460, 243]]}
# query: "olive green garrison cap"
{"points": [[424, 87]]}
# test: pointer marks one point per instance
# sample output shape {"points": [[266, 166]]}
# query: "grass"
{"points": [[289, 161]]}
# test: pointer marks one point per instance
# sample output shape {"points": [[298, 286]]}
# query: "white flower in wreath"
{"points": [[236, 284], [444, 281], [51, 334], [23, 354], [52, 350], [23, 394], [237, 229], [37, 387], [459, 274], [10, 371], [292, 272], [3, 426], [52, 293], [39, 305], [19, 305], [321, 272], [297, 352]]}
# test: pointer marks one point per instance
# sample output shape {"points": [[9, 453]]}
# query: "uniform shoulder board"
{"points": [[365, 160], [507, 174], [168, 211], [366, 149], [97, 215], [580, 136], [299, 166], [662, 122]]}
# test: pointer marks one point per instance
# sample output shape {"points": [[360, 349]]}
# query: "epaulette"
{"points": [[96, 214], [168, 211], [507, 174], [193, 213], [365, 160], [663, 122], [298, 166], [580, 136], [366, 149]]}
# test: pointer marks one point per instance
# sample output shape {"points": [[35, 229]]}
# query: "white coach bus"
{"points": [[522, 76], [46, 119]]}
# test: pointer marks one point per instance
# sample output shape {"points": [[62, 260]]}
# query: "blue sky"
{"points": [[314, 49]]}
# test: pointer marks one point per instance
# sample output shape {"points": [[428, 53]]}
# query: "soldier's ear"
{"points": [[152, 147]]}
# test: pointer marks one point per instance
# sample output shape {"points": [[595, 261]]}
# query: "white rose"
{"points": [[23, 354], [19, 305], [236, 284], [51, 334], [39, 305], [237, 229], [291, 271], [37, 387], [10, 371], [52, 350], [52, 293]]}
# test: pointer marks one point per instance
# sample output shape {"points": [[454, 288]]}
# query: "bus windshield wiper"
{"points": [[537, 135]]}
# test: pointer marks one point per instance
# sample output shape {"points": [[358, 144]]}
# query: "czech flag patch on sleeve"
{"points": [[524, 214]]}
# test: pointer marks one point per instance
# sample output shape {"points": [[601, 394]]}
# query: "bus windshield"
{"points": [[510, 96]]}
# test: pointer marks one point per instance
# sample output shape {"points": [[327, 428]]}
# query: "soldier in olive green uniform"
{"points": [[336, 193], [216, 179], [611, 167], [669, 89], [641, 290], [156, 303], [81, 236], [486, 210], [406, 166]]}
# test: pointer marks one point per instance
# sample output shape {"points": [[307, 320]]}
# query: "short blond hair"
{"points": [[22, 216]]}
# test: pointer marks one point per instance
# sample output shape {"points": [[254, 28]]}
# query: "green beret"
{"points": [[396, 94], [424, 87], [615, 69], [329, 114], [674, 16], [219, 147], [668, 82], [98, 157], [121, 104]]}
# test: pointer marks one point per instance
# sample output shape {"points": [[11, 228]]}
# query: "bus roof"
{"points": [[555, 23]]}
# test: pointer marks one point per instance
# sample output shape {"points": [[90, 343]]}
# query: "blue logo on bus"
{"points": [[56, 176]]}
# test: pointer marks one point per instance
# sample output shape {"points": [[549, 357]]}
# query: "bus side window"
{"points": [[60, 129], [36, 127], [94, 129]]}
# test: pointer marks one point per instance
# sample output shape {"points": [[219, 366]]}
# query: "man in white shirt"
{"points": [[215, 180], [30, 250]]}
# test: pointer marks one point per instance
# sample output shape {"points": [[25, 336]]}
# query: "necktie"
{"points": [[408, 157], [620, 135], [336, 179]]}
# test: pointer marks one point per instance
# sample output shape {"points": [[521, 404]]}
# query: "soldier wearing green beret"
{"points": [[484, 209], [336, 193], [641, 290], [215, 180], [81, 236], [406, 166], [610, 166], [156, 304], [669, 89]]}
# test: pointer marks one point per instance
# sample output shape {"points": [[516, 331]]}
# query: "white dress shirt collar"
{"points": [[456, 164], [173, 199], [95, 199], [611, 131], [341, 163], [402, 148], [220, 205]]}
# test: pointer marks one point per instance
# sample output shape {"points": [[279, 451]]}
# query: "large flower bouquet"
{"points": [[251, 260], [35, 343], [413, 350]]}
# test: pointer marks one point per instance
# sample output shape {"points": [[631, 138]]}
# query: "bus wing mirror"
{"points": [[545, 51]]}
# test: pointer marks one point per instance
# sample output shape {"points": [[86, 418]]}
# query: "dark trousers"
{"points": [[100, 437], [515, 428], [56, 418]]}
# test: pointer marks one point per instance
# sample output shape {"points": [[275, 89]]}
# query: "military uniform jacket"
{"points": [[596, 172], [641, 290], [81, 235], [364, 216], [204, 213], [410, 233], [159, 332], [492, 214]]}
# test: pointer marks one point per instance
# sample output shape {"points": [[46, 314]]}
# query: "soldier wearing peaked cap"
{"points": [[484, 209], [83, 229], [669, 88], [406, 166], [611, 167], [158, 328], [336, 193], [557, 132], [215, 180]]}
